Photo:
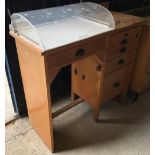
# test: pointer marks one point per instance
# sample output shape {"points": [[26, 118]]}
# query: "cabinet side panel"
{"points": [[37, 89], [140, 77]]}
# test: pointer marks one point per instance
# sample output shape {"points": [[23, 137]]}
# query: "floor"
{"points": [[122, 130], [9, 111]]}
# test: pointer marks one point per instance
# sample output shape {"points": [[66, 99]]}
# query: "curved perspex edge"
{"points": [[54, 27]]}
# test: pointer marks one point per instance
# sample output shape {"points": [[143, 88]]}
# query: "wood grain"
{"points": [[70, 55], [121, 50], [37, 91], [124, 38], [116, 83], [140, 78], [86, 81], [119, 62]]}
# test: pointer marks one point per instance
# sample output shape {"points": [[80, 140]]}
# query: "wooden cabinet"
{"points": [[141, 73], [99, 79], [101, 70]]}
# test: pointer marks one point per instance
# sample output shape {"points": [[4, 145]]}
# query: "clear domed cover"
{"points": [[58, 26]]}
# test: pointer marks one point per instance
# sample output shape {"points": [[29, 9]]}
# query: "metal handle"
{"points": [[123, 49], [80, 52], [124, 41], [121, 62], [116, 84], [98, 67]]}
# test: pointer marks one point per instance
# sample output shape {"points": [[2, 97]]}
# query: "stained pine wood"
{"points": [[125, 49], [115, 69], [140, 78], [119, 62], [124, 21], [37, 90], [64, 109], [124, 38], [86, 81], [116, 83], [71, 55]]}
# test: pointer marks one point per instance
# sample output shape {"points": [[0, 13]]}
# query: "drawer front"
{"points": [[120, 51], [119, 62], [124, 38], [71, 55], [116, 83], [134, 34]]}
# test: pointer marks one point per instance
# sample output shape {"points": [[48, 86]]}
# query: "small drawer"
{"points": [[116, 83], [134, 34], [118, 39], [120, 51], [119, 62], [69, 56], [124, 38]]}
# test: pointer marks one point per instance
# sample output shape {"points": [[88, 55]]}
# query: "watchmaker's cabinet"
{"points": [[101, 47]]}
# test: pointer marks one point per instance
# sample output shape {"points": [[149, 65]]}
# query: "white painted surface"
{"points": [[66, 31]]}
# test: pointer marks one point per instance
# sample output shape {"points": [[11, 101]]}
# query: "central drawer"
{"points": [[119, 62], [70, 55]]}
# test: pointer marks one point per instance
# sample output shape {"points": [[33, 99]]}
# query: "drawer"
{"points": [[120, 51], [124, 38], [134, 34], [116, 83], [119, 62], [71, 55]]}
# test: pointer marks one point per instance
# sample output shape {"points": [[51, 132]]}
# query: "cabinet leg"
{"points": [[74, 97], [96, 114]]}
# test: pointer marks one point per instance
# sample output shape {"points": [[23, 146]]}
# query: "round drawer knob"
{"points": [[121, 62], [116, 84], [80, 52], [124, 41], [98, 68], [123, 49]]}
